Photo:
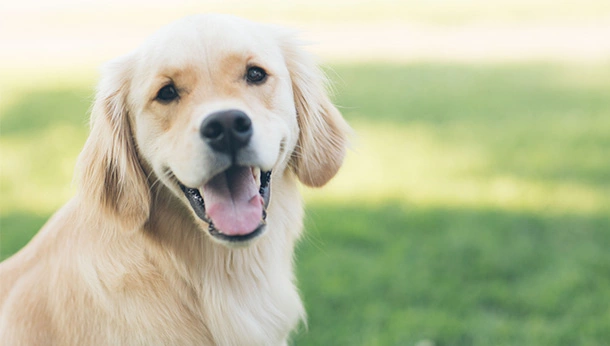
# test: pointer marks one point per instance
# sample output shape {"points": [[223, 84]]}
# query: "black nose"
{"points": [[227, 131]]}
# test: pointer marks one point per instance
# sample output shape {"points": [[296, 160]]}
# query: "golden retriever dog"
{"points": [[188, 209]]}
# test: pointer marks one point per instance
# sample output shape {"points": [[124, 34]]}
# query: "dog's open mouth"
{"points": [[232, 203]]}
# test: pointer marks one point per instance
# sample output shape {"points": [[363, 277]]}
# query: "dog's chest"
{"points": [[220, 319], [251, 315], [239, 311]]}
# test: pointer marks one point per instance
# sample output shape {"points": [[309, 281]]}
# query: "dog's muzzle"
{"points": [[232, 203]]}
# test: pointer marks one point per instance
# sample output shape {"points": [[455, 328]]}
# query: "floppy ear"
{"points": [[323, 131], [111, 174]]}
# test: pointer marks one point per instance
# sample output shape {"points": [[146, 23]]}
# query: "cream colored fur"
{"points": [[126, 261]]}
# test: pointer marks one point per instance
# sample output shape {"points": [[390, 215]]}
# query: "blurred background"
{"points": [[474, 208]]}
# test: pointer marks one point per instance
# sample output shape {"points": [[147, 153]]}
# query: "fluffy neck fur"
{"points": [[235, 296]]}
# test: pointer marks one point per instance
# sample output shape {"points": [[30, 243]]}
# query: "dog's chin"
{"points": [[232, 205]]}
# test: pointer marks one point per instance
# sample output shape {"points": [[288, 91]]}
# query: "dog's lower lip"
{"points": [[193, 195], [237, 238]]}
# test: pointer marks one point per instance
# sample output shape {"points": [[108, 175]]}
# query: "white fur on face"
{"points": [[207, 62]]}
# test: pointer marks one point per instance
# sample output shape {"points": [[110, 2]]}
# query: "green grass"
{"points": [[473, 210], [395, 274]]}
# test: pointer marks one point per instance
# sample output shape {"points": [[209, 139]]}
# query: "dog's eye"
{"points": [[167, 93], [256, 75]]}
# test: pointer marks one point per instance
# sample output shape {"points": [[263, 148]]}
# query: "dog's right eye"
{"points": [[167, 94], [256, 75]]}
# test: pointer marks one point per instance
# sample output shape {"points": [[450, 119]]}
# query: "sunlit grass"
{"points": [[415, 164], [530, 138], [37, 170], [42, 132]]}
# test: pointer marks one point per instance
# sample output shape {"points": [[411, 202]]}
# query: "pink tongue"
{"points": [[232, 201]]}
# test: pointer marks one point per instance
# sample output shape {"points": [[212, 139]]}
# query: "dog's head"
{"points": [[213, 107]]}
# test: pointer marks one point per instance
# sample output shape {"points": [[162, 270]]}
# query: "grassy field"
{"points": [[474, 208]]}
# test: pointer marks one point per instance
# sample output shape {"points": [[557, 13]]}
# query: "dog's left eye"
{"points": [[167, 94], [256, 75]]}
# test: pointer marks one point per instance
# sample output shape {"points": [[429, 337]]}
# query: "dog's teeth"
{"points": [[211, 227]]}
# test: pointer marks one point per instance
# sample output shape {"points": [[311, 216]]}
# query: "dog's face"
{"points": [[213, 112], [215, 107]]}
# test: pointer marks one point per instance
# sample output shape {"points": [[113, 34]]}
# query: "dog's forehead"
{"points": [[207, 38]]}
